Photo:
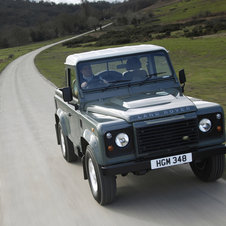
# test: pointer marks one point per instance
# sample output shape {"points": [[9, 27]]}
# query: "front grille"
{"points": [[167, 136]]}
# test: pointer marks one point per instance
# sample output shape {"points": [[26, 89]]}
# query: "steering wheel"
{"points": [[95, 84]]}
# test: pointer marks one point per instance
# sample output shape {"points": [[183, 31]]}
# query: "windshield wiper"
{"points": [[150, 76], [115, 82]]}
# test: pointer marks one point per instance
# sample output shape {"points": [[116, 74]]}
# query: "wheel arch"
{"points": [[89, 139], [62, 118]]}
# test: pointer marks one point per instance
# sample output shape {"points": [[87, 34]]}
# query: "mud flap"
{"points": [[57, 134], [84, 168]]}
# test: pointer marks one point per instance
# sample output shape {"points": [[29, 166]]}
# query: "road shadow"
{"points": [[168, 193]]}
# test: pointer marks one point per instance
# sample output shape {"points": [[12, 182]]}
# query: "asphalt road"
{"points": [[38, 187]]}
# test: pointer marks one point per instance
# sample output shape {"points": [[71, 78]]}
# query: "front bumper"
{"points": [[142, 165]]}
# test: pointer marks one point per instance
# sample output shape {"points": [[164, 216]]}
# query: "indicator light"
{"points": [[110, 148]]}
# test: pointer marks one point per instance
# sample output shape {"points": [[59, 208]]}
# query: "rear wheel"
{"points": [[66, 147], [103, 187], [209, 169]]}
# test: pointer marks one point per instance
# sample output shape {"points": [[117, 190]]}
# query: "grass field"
{"points": [[188, 8]]}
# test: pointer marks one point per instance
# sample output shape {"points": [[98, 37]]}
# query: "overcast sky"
{"points": [[76, 1]]}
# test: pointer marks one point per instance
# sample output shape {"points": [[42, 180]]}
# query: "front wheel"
{"points": [[103, 187], [66, 147], [209, 169]]}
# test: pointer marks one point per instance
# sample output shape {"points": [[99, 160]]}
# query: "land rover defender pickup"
{"points": [[123, 111]]}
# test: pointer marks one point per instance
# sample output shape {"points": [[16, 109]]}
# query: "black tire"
{"points": [[67, 148], [209, 169], [102, 187]]}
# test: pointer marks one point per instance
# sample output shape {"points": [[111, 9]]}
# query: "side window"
{"points": [[144, 63], [73, 82], [162, 66]]}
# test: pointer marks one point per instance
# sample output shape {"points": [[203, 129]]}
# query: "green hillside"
{"points": [[188, 9]]}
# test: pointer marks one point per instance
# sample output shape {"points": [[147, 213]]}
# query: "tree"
{"points": [[121, 19], [17, 36], [93, 22], [66, 23], [137, 19], [85, 9]]}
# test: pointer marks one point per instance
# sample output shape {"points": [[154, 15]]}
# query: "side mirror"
{"points": [[67, 94], [182, 76]]}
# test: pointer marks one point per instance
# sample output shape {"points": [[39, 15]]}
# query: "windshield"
{"points": [[106, 73]]}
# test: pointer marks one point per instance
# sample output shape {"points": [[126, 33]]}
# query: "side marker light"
{"points": [[110, 148]]}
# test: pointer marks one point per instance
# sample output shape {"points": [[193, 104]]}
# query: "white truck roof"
{"points": [[110, 52]]}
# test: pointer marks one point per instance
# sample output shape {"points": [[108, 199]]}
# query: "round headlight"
{"points": [[205, 125], [122, 140]]}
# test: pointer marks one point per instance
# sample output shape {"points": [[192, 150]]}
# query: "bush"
{"points": [[4, 43], [74, 46], [112, 41], [168, 34], [155, 20], [194, 22], [197, 31], [202, 14], [151, 14], [219, 27], [160, 36], [171, 27]]}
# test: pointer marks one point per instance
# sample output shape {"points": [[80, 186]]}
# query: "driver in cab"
{"points": [[87, 78]]}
